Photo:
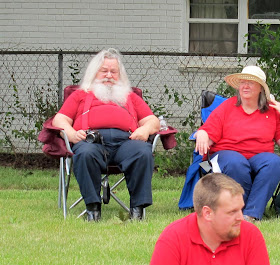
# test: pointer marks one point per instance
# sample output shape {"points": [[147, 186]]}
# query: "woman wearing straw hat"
{"points": [[242, 132]]}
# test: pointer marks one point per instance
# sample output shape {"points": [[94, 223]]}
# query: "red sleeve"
{"points": [[141, 107], [72, 106], [173, 244], [166, 250]]}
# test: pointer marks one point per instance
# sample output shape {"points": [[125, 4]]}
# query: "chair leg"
{"points": [[82, 213], [117, 183], [274, 196], [60, 182], [68, 161], [119, 201], [76, 202], [62, 185], [115, 197], [111, 194]]}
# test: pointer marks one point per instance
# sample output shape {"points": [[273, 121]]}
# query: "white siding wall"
{"points": [[89, 24]]}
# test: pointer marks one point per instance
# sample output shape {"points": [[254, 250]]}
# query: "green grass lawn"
{"points": [[33, 230]]}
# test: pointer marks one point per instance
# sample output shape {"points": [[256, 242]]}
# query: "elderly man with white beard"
{"points": [[106, 101]]}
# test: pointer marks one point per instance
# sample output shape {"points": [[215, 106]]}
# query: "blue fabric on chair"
{"points": [[210, 101], [205, 112], [192, 177]]}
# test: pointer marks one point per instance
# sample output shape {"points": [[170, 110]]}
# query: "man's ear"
{"points": [[207, 213]]}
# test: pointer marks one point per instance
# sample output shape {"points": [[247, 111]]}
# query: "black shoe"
{"points": [[136, 213], [94, 212]]}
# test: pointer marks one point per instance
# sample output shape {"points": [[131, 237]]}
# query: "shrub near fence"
{"points": [[32, 85]]}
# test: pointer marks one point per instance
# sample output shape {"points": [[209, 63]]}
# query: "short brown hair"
{"points": [[208, 189]]}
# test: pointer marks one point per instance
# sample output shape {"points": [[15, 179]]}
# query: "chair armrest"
{"points": [[191, 137], [67, 143], [206, 165], [54, 145], [157, 137]]}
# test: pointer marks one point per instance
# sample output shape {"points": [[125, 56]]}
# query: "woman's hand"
{"points": [[275, 105], [202, 142]]}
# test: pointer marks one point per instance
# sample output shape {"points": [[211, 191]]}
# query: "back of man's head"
{"points": [[208, 189]]}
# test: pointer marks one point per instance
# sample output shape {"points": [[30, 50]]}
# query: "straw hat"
{"points": [[253, 73]]}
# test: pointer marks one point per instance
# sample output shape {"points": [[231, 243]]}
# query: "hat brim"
{"points": [[234, 81]]}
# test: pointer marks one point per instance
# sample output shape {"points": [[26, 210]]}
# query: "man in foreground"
{"points": [[120, 123], [216, 233]]}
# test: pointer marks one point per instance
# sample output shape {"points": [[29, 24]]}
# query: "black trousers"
{"points": [[133, 157]]}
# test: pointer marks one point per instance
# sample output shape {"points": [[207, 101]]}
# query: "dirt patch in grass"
{"points": [[41, 161], [28, 161]]}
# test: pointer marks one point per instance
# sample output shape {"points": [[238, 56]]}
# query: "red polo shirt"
{"points": [[181, 243]]}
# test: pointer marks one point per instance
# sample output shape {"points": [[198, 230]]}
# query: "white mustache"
{"points": [[108, 80]]}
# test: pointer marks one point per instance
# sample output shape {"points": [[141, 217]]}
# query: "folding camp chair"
{"points": [[209, 101], [58, 147]]}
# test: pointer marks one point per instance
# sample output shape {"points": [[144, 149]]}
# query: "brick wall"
{"points": [[91, 24]]}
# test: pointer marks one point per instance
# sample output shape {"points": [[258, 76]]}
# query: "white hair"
{"points": [[95, 64]]}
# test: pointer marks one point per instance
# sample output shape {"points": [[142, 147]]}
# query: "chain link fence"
{"points": [[32, 85]]}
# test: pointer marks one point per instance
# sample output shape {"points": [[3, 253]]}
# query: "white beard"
{"points": [[116, 93]]}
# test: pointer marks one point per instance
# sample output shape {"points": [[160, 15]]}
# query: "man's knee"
{"points": [[268, 160], [146, 151], [271, 159], [138, 149], [135, 155]]}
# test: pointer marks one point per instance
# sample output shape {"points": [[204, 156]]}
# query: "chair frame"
{"points": [[274, 196], [65, 176]]}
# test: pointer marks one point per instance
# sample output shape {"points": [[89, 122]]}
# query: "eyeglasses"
{"points": [[105, 72], [247, 82]]}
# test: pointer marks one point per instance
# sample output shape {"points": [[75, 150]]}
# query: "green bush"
{"points": [[177, 160], [266, 45]]}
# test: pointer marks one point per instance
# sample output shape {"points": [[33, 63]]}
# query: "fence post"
{"points": [[60, 79]]}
